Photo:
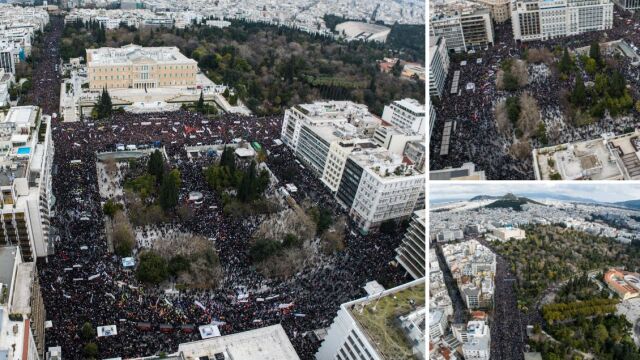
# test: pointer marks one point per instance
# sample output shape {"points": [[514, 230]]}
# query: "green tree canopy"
{"points": [[152, 268]]}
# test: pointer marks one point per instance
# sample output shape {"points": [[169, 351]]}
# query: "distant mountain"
{"points": [[512, 201], [484, 197], [561, 197], [631, 204]]}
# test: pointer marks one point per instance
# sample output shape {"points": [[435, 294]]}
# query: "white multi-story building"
{"points": [[8, 57], [413, 250], [333, 140], [22, 312], [388, 189], [476, 340], [463, 24], [548, 19], [322, 114], [438, 66], [406, 114], [629, 5], [351, 335], [26, 155]]}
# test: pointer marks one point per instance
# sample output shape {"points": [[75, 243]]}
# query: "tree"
{"points": [[510, 81], [578, 96], [122, 236], [152, 268], [225, 93], [178, 264], [600, 333], [594, 52], [200, 103], [228, 159], [87, 331], [566, 63], [590, 66], [110, 208], [513, 109], [263, 249], [155, 165], [91, 350], [396, 70], [168, 193], [104, 107]]}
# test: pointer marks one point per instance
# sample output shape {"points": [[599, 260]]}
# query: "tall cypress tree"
{"points": [[168, 193]]}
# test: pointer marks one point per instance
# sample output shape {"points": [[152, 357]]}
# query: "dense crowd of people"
{"points": [[83, 282], [475, 137]]}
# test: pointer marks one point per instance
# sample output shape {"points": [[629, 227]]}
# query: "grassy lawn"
{"points": [[381, 325]]}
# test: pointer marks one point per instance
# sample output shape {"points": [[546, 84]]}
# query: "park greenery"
{"points": [[151, 190], [580, 288], [241, 185], [272, 68], [550, 254], [189, 260], [602, 336], [608, 94], [559, 312]]}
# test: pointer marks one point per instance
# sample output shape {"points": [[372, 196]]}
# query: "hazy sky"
{"points": [[608, 192]]}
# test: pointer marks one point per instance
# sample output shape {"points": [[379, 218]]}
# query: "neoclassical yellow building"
{"points": [[137, 67]]}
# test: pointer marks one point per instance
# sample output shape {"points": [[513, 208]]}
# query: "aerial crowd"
{"points": [[83, 282], [475, 137]]}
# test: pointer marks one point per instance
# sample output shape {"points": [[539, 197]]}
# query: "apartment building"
{"points": [[475, 337], [22, 312], [388, 188], [26, 155], [548, 19], [351, 335], [412, 251], [500, 10], [335, 142], [406, 114], [134, 66], [438, 67], [325, 113], [463, 24]]}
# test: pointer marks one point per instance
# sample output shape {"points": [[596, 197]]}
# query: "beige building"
{"points": [[137, 67], [508, 233], [500, 11]]}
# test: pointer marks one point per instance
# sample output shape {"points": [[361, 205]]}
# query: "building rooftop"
{"points": [[610, 157], [267, 343], [21, 302], [7, 262], [383, 163], [375, 315], [130, 54], [412, 105]]}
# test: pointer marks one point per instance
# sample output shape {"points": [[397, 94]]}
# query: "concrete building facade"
{"points": [[438, 66], [412, 251], [134, 66], [548, 19], [463, 24]]}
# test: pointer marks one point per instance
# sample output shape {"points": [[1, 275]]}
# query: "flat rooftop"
{"points": [[607, 158], [22, 292], [267, 343], [7, 261], [380, 325], [577, 161], [130, 54]]}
